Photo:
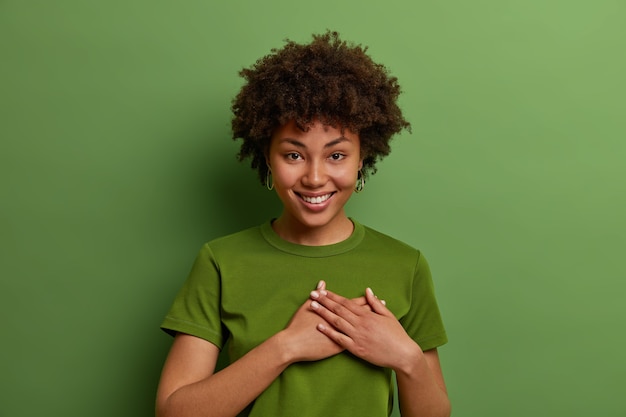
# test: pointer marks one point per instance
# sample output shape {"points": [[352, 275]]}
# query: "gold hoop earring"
{"points": [[360, 182], [269, 181]]}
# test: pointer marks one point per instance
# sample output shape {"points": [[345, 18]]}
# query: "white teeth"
{"points": [[316, 200]]}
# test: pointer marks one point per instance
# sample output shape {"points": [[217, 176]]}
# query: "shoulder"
{"points": [[229, 249]]}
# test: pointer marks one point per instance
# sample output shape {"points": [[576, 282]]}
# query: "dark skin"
{"points": [[189, 386], [375, 335], [324, 325], [325, 86], [327, 79]]}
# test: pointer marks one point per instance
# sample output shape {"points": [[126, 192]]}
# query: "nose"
{"points": [[315, 175]]}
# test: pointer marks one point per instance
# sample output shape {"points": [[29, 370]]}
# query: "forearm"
{"points": [[230, 390], [421, 392]]}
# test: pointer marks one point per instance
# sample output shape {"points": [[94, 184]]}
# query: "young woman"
{"points": [[294, 297]]}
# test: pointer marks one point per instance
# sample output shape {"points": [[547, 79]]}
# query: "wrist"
{"points": [[281, 346], [410, 361]]}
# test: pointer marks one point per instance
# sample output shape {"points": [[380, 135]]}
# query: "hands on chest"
{"points": [[328, 323]]}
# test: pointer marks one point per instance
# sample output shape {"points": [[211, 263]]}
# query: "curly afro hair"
{"points": [[328, 80]]}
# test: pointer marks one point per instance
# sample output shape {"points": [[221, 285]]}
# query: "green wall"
{"points": [[116, 165]]}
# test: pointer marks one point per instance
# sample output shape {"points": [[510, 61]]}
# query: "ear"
{"points": [[360, 164]]}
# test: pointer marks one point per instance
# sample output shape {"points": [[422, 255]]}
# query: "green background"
{"points": [[116, 165]]}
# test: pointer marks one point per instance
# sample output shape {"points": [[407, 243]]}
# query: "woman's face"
{"points": [[314, 175]]}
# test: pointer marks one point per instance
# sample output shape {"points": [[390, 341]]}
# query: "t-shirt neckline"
{"points": [[313, 251]]}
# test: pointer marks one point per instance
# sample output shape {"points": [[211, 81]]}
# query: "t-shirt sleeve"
{"points": [[423, 322], [196, 308]]}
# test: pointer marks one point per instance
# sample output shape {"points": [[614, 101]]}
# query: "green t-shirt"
{"points": [[245, 287]]}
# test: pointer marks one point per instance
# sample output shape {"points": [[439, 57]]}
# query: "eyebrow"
{"points": [[328, 145]]}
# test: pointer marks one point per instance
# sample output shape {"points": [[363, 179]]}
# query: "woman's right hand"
{"points": [[188, 382], [302, 339]]}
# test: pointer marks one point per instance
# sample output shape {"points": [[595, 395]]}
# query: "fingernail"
{"points": [[323, 292], [320, 284], [315, 294], [369, 291], [315, 304], [384, 302]]}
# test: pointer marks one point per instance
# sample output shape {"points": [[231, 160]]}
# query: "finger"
{"points": [[321, 290], [353, 305], [360, 301], [334, 296], [317, 293], [334, 318], [339, 338], [359, 304], [344, 307], [378, 306]]}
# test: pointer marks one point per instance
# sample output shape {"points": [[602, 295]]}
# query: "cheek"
{"points": [[347, 178], [284, 178]]}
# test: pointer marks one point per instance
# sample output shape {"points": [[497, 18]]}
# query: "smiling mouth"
{"points": [[316, 200]]}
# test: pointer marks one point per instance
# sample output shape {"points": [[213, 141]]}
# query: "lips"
{"points": [[319, 199]]}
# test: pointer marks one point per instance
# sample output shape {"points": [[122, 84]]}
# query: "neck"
{"points": [[295, 232]]}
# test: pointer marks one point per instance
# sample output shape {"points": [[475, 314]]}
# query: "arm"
{"points": [[421, 388], [376, 336], [189, 386]]}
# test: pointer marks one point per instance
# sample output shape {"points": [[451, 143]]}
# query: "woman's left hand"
{"points": [[373, 334]]}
